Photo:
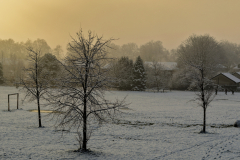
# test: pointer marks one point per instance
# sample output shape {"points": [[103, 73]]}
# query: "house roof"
{"points": [[232, 77], [221, 66], [237, 73], [165, 65], [107, 66]]}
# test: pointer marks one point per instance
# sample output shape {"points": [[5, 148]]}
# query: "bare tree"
{"points": [[130, 50], [199, 56], [79, 100], [34, 82], [230, 55], [58, 52], [156, 78], [153, 50]]}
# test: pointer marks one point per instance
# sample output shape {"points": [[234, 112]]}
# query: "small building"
{"points": [[227, 81], [236, 68], [167, 67], [221, 68], [237, 74]]}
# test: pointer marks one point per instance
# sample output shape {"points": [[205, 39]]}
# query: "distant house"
{"points": [[167, 67], [221, 68], [237, 68], [226, 80], [107, 66], [237, 74]]}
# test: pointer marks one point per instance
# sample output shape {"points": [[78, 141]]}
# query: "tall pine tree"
{"points": [[139, 75], [123, 72]]}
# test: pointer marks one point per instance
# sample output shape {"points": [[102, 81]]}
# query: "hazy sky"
{"points": [[139, 21]]}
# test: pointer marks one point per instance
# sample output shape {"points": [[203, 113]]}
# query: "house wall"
{"points": [[223, 81]]}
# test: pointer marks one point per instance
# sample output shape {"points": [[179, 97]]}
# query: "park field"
{"points": [[153, 126]]}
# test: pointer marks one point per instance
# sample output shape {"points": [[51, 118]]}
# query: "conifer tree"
{"points": [[123, 73], [139, 75]]}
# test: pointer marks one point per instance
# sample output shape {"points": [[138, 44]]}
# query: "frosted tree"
{"points": [[156, 78], [153, 50], [58, 52], [35, 83], [199, 57], [50, 66], [130, 50], [139, 75], [80, 99], [230, 54]]}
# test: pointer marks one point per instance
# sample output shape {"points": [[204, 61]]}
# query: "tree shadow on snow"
{"points": [[12, 110], [86, 154]]}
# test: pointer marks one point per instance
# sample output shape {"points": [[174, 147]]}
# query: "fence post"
{"points": [[17, 99], [8, 104]]}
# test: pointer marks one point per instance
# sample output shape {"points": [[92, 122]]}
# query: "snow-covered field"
{"points": [[156, 126]]}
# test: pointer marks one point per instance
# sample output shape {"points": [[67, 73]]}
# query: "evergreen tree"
{"points": [[123, 73], [1, 74], [139, 75]]}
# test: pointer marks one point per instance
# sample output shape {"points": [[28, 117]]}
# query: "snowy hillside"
{"points": [[156, 126]]}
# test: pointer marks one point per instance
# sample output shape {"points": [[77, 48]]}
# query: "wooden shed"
{"points": [[226, 80]]}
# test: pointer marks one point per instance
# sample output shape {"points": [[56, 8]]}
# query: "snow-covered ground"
{"points": [[156, 126]]}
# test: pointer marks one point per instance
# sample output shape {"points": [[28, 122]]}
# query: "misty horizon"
{"points": [[128, 21]]}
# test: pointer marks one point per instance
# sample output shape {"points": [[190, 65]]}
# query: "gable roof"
{"points": [[229, 76]]}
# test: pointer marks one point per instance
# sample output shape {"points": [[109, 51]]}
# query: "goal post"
{"points": [[9, 99]]}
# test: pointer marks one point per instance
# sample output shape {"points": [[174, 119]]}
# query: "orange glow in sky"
{"points": [[139, 21]]}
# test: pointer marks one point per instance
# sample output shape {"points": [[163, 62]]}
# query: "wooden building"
{"points": [[227, 81]]}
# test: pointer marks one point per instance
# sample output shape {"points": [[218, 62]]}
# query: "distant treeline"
{"points": [[13, 58], [150, 51], [10, 49]]}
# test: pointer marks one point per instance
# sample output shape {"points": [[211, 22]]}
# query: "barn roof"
{"points": [[232, 77]]}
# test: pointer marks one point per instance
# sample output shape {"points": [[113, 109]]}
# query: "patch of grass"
{"points": [[193, 125], [134, 123], [44, 111]]}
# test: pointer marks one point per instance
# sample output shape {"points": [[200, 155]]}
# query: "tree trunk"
{"points": [[37, 89], [39, 111], [204, 103], [84, 145], [204, 120]]}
